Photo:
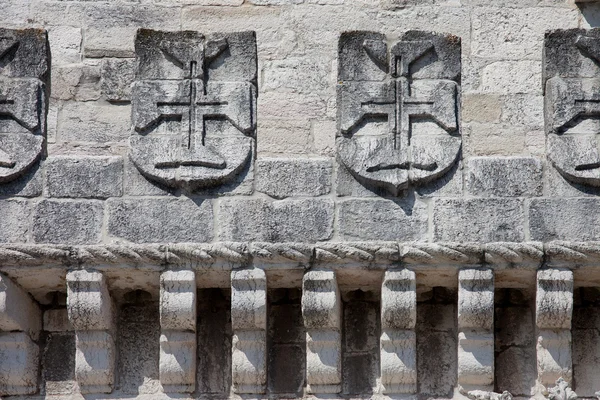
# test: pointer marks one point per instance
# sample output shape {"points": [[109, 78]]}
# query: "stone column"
{"points": [[20, 325], [177, 367], [322, 314], [91, 314], [249, 324], [554, 308], [476, 329], [398, 342]]}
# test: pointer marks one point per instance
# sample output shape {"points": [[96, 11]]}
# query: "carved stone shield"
{"points": [[23, 78], [398, 107], [194, 106]]}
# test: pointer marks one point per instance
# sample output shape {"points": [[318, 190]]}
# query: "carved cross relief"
{"points": [[572, 103], [383, 94], [194, 103], [23, 76]]}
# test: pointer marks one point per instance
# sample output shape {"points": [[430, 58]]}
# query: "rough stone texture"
{"points": [[504, 177], [564, 219], [160, 220], [278, 221], [478, 220], [19, 365], [280, 178], [88, 177], [93, 122], [65, 221], [117, 77], [15, 216], [586, 341]]}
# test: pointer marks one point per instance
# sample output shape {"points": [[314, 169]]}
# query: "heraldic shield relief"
{"points": [[194, 106], [23, 78], [572, 103], [398, 107]]}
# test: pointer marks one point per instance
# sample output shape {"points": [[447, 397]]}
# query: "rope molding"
{"points": [[501, 253]]}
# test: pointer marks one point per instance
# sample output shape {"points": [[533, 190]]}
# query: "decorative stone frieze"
{"points": [[194, 106], [572, 103], [249, 324], [398, 341], [91, 314], [476, 329], [20, 325], [562, 391], [554, 308], [177, 365], [24, 59], [483, 395], [322, 314], [416, 77]]}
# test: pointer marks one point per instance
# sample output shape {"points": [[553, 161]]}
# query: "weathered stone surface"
{"points": [[249, 323], [67, 222], [160, 220], [504, 177], [423, 81], [278, 221], [23, 99], [212, 78], [478, 220], [18, 364], [65, 44], [117, 77], [93, 122], [18, 312], [564, 219], [88, 177], [280, 178], [15, 216], [379, 219]]}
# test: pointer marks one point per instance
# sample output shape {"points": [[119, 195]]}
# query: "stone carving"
{"points": [[483, 395], [249, 323], [91, 313], [194, 106], [23, 81], [561, 391], [177, 366], [398, 339], [554, 307], [572, 103], [398, 107], [322, 314], [20, 325], [475, 329]]}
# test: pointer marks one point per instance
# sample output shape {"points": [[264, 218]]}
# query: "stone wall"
{"points": [[393, 198]]}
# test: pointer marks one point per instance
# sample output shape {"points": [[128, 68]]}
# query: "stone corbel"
{"points": [[20, 325], [249, 323], [177, 366], [321, 311], [91, 313], [476, 330], [554, 308], [398, 342]]}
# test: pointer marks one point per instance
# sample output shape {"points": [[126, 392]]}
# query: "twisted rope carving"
{"points": [[34, 254], [507, 252], [228, 251], [568, 251], [429, 253], [115, 254], [300, 252], [369, 251]]}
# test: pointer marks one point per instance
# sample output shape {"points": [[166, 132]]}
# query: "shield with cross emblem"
{"points": [[398, 107], [23, 76], [572, 103], [194, 107]]}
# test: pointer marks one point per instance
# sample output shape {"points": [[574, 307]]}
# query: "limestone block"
{"points": [[18, 364], [181, 97], [478, 220], [380, 219], [117, 75], [504, 176], [393, 157], [177, 366], [554, 299], [321, 311], [554, 308], [15, 216], [173, 220], [573, 219], [285, 177], [89, 177], [18, 311], [93, 122], [249, 323], [24, 56], [65, 44], [91, 314], [398, 343], [476, 334], [57, 320], [67, 222]]}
